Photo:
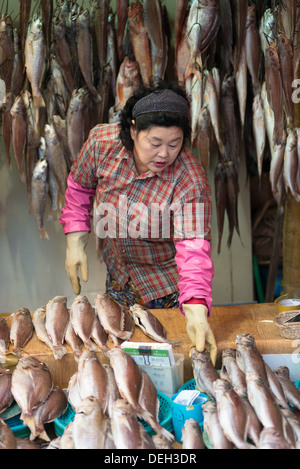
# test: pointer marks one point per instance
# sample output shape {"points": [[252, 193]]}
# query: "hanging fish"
{"points": [[140, 40], [220, 179], [290, 166], [19, 133], [154, 25], [39, 195], [7, 50], [85, 52], [122, 17], [285, 53], [275, 90], [241, 80], [253, 48], [259, 131], [63, 53], [211, 99]]}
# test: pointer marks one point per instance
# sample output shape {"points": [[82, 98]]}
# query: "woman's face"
{"points": [[156, 148]]}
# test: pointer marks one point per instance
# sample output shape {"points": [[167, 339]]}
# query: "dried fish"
{"points": [[140, 40], [55, 405], [21, 329], [75, 129], [92, 379], [82, 318], [39, 194], [73, 340], [89, 426], [253, 48], [4, 339], [292, 394], [113, 317], [191, 435], [128, 78], [129, 381], [39, 320], [290, 164], [19, 133], [204, 372], [6, 397], [220, 179], [7, 437], [232, 414], [122, 9], [212, 427], [231, 371], [259, 131], [249, 358], [149, 323], [31, 385], [57, 319], [63, 53], [128, 432], [274, 90], [285, 53], [154, 25], [99, 335]]}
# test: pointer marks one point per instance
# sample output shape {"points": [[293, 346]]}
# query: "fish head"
{"points": [[88, 406], [245, 339], [202, 357]]}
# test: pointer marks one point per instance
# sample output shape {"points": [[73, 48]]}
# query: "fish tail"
{"points": [[59, 352], [43, 233], [39, 433], [145, 414], [28, 420]]}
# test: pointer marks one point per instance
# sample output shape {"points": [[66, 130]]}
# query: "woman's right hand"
{"points": [[76, 257]]}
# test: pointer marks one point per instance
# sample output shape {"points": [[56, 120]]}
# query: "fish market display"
{"points": [[204, 371], [191, 435], [249, 404], [21, 329]]}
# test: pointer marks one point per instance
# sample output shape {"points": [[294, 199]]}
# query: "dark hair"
{"points": [[145, 121]]}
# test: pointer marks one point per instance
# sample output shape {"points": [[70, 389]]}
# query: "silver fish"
{"points": [[204, 372], [57, 319], [231, 371], [232, 414], [128, 432], [89, 425], [290, 165], [56, 158], [292, 394], [21, 329], [259, 130], [276, 388], [150, 325], [39, 194], [191, 435], [82, 319], [31, 385], [129, 381], [212, 427], [113, 317]]}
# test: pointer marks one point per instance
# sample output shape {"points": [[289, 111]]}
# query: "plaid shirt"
{"points": [[146, 256]]}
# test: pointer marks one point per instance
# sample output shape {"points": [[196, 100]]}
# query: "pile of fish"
{"points": [[80, 326], [67, 68], [238, 61], [250, 403], [31, 387], [108, 401]]}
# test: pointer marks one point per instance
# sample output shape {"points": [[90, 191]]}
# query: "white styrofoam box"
{"points": [[292, 361]]}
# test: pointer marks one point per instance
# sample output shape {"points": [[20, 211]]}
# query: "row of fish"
{"points": [[250, 403], [79, 326], [30, 385], [238, 61], [67, 68]]}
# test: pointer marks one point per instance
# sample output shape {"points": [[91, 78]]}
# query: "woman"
{"points": [[153, 210]]}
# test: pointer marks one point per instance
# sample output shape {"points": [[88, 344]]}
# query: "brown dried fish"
{"points": [[39, 318], [57, 319], [271, 438], [231, 371], [191, 435], [82, 317], [161, 442], [74, 341], [204, 372], [55, 404], [150, 325], [73, 391], [113, 317], [31, 385], [6, 397], [21, 329], [99, 335]]}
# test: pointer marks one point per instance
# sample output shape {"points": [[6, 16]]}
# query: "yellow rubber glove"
{"points": [[76, 257], [198, 329]]}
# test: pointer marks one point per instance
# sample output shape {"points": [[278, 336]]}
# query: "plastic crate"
{"points": [[11, 417], [164, 417]]}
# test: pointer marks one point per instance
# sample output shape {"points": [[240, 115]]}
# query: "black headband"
{"points": [[161, 101]]}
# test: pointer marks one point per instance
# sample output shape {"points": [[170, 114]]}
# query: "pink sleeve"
{"points": [[76, 213], [196, 271]]}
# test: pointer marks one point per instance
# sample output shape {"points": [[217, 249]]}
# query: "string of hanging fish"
{"points": [[239, 60], [67, 68]]}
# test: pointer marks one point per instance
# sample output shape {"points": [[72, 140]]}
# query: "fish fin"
{"points": [[28, 420], [148, 417]]}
